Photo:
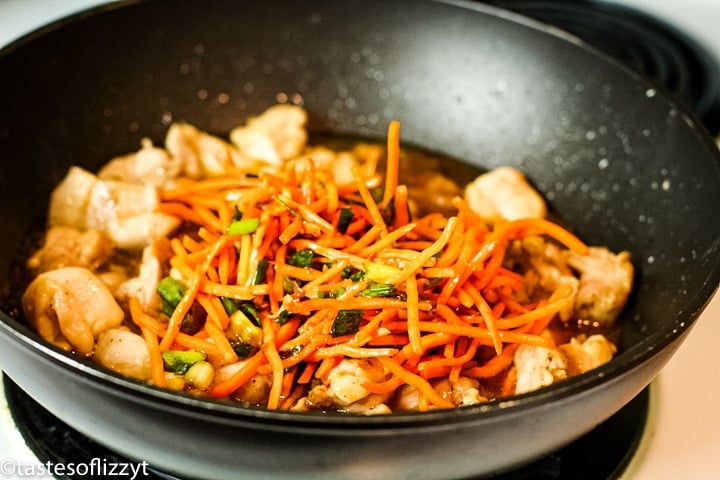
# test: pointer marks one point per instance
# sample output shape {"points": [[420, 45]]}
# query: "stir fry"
{"points": [[273, 273]]}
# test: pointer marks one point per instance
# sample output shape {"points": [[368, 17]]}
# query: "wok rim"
{"points": [[624, 362]]}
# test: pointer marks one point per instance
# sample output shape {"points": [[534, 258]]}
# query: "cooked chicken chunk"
{"points": [[69, 307], [345, 383], [69, 200], [605, 283], [124, 352], [70, 247], [584, 354], [600, 281], [123, 210], [340, 163], [144, 285], [545, 270], [504, 193], [148, 165], [276, 135], [538, 367], [201, 154]]}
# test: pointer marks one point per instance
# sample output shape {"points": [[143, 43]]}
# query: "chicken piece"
{"points": [[255, 391], [70, 247], [138, 231], [69, 200], [466, 391], [124, 352], [144, 286], [69, 307], [201, 154], [408, 398], [538, 367], [345, 383], [371, 405], [123, 210], [586, 353], [150, 164], [545, 270], [606, 280], [277, 135], [504, 193], [113, 200], [340, 164]]}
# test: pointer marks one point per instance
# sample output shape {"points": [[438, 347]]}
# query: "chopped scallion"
{"points": [[346, 216], [301, 258], [243, 227], [378, 290], [346, 322], [180, 361], [171, 291]]}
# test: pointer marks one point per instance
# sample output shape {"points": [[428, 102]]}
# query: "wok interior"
{"points": [[616, 160]]}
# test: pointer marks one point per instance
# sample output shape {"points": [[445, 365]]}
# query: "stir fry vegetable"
{"points": [[293, 288]]}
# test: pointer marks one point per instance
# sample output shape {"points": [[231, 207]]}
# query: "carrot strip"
{"points": [[240, 377], [416, 381], [413, 315], [273, 357], [487, 315], [308, 373], [219, 339], [365, 303], [426, 254], [350, 351], [393, 161], [157, 368]]}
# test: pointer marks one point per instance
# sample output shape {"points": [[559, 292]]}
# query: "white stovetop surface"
{"points": [[683, 435]]}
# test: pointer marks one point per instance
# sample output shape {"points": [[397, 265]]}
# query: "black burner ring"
{"points": [[602, 454]]}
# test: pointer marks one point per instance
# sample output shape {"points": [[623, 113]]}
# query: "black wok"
{"points": [[616, 158]]}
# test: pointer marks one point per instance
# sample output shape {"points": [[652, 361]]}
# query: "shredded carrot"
{"points": [[331, 273], [416, 381], [393, 161]]}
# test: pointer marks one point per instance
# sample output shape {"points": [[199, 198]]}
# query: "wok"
{"points": [[617, 159]]}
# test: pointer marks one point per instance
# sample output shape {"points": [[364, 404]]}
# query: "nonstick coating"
{"points": [[616, 158]]}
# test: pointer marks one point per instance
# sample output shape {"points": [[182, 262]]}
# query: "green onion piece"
{"points": [[180, 361], [346, 216], [301, 258], [171, 291], [346, 322], [357, 276], [378, 290], [288, 285], [335, 293], [243, 350], [248, 308], [229, 305], [261, 271], [283, 316], [243, 227], [347, 272]]}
